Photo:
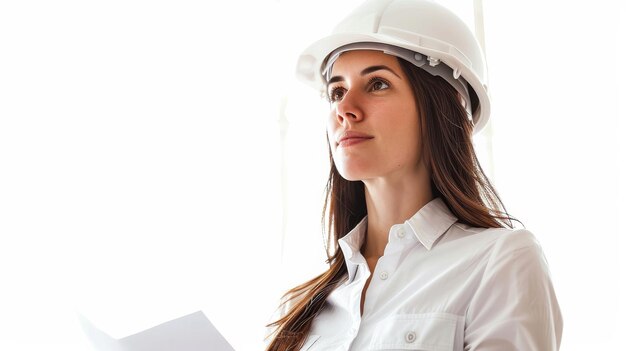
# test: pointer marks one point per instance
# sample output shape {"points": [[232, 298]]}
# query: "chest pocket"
{"points": [[427, 332]]}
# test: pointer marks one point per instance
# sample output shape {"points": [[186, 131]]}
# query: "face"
{"points": [[373, 127]]}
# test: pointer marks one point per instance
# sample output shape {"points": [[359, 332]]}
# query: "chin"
{"points": [[351, 179], [353, 174]]}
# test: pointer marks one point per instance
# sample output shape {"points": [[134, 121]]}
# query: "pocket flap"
{"points": [[427, 331]]}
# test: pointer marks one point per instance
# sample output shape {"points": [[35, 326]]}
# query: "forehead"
{"points": [[356, 60]]}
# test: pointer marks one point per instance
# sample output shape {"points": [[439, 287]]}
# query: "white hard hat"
{"points": [[424, 27]]}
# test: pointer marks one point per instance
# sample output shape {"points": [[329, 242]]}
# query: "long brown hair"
{"points": [[456, 177]]}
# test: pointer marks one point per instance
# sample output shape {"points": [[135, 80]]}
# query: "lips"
{"points": [[351, 137]]}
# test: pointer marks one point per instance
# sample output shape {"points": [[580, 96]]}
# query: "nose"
{"points": [[349, 108]]}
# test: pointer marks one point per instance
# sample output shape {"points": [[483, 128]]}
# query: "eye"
{"points": [[336, 93], [378, 84]]}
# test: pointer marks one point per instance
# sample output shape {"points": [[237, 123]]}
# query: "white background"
{"points": [[158, 158]]}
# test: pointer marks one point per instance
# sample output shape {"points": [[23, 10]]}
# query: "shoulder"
{"points": [[495, 240], [506, 257], [497, 248], [514, 285]]}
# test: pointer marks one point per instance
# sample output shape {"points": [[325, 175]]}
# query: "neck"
{"points": [[392, 200]]}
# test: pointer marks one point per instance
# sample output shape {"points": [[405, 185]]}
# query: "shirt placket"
{"points": [[361, 274], [384, 272]]}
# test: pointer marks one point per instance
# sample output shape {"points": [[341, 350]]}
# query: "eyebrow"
{"points": [[367, 70]]}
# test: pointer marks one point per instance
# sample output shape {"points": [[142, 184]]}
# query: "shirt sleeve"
{"points": [[515, 307]]}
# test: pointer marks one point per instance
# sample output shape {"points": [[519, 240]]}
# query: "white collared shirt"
{"points": [[445, 286]]}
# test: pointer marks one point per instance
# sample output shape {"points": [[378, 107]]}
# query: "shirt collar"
{"points": [[350, 244], [431, 222], [428, 224]]}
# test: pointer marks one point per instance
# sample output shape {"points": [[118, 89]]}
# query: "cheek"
{"points": [[403, 135], [413, 141], [412, 136]]}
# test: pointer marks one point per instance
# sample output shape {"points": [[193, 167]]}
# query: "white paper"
{"points": [[193, 332]]}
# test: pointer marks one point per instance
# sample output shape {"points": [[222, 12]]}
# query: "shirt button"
{"points": [[409, 337], [384, 275], [400, 233]]}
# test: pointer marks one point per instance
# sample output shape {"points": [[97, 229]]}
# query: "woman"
{"points": [[424, 256]]}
